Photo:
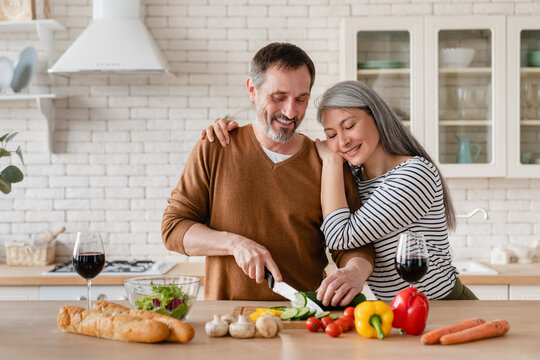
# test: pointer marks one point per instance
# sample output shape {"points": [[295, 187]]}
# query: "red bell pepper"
{"points": [[410, 309]]}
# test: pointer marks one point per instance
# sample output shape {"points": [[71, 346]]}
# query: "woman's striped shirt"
{"points": [[407, 198]]}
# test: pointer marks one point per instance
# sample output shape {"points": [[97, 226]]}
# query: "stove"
{"points": [[118, 267]]}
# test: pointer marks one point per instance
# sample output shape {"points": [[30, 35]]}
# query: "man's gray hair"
{"points": [[395, 138], [285, 55]]}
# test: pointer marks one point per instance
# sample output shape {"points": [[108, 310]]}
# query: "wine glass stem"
{"points": [[89, 298]]}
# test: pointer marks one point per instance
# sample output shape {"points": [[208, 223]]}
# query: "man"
{"points": [[256, 202]]}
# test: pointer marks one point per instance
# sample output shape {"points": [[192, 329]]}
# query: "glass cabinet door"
{"points": [[465, 67], [384, 54], [523, 97]]}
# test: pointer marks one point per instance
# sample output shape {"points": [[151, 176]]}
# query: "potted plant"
{"points": [[11, 174]]}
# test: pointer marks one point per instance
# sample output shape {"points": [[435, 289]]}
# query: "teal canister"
{"points": [[464, 153]]}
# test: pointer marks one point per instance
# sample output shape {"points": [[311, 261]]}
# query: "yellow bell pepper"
{"points": [[373, 319], [262, 312]]}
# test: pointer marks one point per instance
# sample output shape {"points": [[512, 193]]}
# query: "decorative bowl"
{"points": [[456, 57], [168, 295], [6, 73], [533, 58]]}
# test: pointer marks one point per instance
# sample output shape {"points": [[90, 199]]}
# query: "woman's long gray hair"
{"points": [[395, 138]]}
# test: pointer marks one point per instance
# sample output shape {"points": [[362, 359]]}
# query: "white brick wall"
{"points": [[123, 141]]}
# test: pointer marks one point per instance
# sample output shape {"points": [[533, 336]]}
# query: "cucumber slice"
{"points": [[278, 307], [313, 296], [303, 313], [299, 300], [289, 313], [312, 313], [323, 314], [334, 316]]}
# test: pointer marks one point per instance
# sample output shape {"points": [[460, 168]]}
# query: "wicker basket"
{"points": [[22, 253]]}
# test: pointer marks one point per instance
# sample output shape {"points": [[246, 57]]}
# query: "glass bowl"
{"points": [[168, 295], [456, 57]]}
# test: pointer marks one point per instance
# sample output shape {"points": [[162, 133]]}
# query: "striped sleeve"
{"points": [[403, 197]]}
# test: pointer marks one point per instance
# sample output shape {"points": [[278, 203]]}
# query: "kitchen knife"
{"points": [[288, 292]]}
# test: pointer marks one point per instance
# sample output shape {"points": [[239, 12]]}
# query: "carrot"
{"points": [[433, 337], [483, 331]]}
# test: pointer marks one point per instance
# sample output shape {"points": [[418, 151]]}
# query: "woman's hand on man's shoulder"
{"points": [[219, 129]]}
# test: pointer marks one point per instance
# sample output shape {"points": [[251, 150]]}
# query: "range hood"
{"points": [[116, 42]]}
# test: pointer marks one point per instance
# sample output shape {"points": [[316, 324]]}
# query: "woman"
{"points": [[400, 187]]}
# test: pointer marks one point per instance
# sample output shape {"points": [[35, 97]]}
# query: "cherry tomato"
{"points": [[325, 321], [333, 329], [349, 312], [313, 324], [344, 324], [349, 319]]}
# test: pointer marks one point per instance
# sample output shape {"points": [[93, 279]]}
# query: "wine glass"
{"points": [[464, 98], [411, 260], [88, 257]]}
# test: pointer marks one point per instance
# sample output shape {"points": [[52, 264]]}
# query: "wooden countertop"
{"points": [[29, 331], [32, 275], [522, 274], [512, 274]]}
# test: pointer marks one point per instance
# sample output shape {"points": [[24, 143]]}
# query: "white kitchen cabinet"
{"points": [[465, 104], [469, 120], [386, 53], [524, 292], [19, 293], [68, 292], [490, 292], [523, 36]]}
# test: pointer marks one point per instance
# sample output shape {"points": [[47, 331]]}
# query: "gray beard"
{"points": [[281, 135]]}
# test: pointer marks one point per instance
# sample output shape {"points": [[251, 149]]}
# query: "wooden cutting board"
{"points": [[287, 324]]}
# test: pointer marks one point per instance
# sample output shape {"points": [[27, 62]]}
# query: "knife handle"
{"points": [[269, 277]]}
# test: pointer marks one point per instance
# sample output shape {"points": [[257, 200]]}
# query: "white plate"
{"points": [[24, 69], [6, 73]]}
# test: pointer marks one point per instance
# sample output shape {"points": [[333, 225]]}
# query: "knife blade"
{"points": [[288, 292]]}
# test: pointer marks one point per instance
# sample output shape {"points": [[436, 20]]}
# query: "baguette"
{"points": [[110, 307], [122, 327], [180, 331]]}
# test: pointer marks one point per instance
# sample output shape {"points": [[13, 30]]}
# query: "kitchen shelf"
{"points": [[45, 105], [465, 122], [44, 29], [530, 122], [530, 70], [472, 71], [377, 72]]}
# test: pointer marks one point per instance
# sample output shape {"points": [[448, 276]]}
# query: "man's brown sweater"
{"points": [[238, 189]]}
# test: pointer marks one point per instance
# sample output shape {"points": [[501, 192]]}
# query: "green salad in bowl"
{"points": [[168, 295]]}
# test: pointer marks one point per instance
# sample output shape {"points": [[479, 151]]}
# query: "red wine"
{"points": [[412, 269], [89, 264]]}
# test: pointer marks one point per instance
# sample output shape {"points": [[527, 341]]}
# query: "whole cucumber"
{"points": [[355, 301]]}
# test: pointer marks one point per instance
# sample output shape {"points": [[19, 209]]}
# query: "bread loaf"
{"points": [[110, 307], [121, 326], [180, 331]]}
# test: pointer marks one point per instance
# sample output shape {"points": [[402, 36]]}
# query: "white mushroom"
{"points": [[216, 327], [243, 328], [266, 326], [278, 322], [229, 318]]}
